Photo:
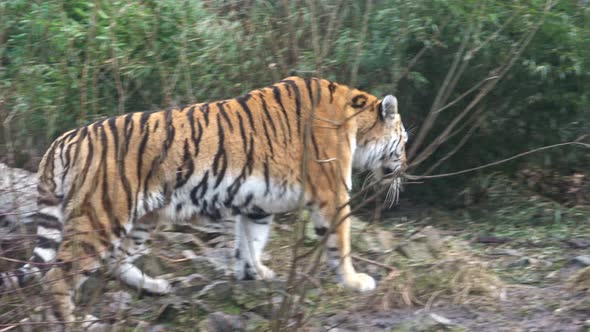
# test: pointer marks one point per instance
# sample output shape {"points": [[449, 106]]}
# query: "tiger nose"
{"points": [[387, 170]]}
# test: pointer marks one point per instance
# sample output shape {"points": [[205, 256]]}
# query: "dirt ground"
{"points": [[533, 262]]}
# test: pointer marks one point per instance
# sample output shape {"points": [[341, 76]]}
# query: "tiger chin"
{"points": [[103, 187]]}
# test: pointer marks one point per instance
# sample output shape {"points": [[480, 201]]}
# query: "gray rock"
{"points": [[18, 198], [222, 322], [583, 260]]}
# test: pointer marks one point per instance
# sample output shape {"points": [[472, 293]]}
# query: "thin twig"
{"points": [[420, 177], [372, 262]]}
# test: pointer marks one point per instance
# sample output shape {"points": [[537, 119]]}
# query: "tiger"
{"points": [[102, 187]]}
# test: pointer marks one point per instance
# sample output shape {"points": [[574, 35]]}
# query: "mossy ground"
{"points": [[524, 279]]}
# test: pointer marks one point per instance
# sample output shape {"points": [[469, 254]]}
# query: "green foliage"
{"points": [[66, 63]]}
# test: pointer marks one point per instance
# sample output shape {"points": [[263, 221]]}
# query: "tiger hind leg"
{"points": [[121, 258], [76, 260], [251, 236]]}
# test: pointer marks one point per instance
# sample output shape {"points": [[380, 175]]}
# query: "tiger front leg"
{"points": [[251, 236], [338, 246]]}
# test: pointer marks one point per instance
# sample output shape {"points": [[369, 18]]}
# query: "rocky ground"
{"points": [[437, 271]]}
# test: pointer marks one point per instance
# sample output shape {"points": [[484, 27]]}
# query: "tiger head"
{"points": [[381, 140]]}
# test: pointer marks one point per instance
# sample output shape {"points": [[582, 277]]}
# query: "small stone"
{"points": [[578, 243], [440, 319], [583, 260], [505, 252]]}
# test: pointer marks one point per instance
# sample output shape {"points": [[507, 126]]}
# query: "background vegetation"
{"points": [[477, 80]]}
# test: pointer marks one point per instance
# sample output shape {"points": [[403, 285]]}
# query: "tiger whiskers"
{"points": [[395, 187]]}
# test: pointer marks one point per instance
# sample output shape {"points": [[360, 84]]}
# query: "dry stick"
{"points": [[518, 49], [430, 119], [466, 58], [372, 262], [315, 39], [286, 303], [184, 57], [294, 54], [466, 93], [86, 67], [115, 63], [354, 74], [420, 177], [459, 145], [336, 19]]}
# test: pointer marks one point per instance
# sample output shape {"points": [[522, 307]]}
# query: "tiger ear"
{"points": [[388, 107]]}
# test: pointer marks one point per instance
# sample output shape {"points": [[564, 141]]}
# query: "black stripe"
{"points": [[47, 200], [68, 160], [318, 90], [332, 88], [20, 277], [202, 185], [266, 176], [170, 134], [50, 166], [71, 134], [97, 227], [46, 243], [225, 117], [277, 96], [61, 158], [143, 120], [107, 204], [88, 159], [242, 132], [243, 101], [205, 110], [129, 126], [248, 199], [183, 174], [36, 259], [120, 153], [309, 92], [297, 103], [196, 140], [50, 224], [268, 140], [219, 170], [140, 152], [250, 156], [258, 219], [267, 114], [83, 134], [288, 89]]}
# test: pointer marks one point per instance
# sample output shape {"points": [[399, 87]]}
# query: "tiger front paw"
{"points": [[245, 271], [361, 282]]}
